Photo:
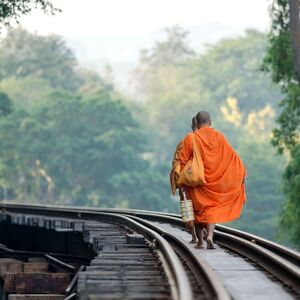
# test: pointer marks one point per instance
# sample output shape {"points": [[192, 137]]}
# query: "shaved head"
{"points": [[203, 118], [194, 123]]}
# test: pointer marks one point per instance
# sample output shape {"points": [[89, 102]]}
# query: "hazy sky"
{"points": [[113, 32], [138, 17]]}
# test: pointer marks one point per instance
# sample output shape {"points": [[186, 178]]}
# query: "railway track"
{"points": [[282, 262], [144, 255]]}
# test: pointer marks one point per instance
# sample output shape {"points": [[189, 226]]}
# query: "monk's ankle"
{"points": [[210, 243], [199, 245], [193, 241]]}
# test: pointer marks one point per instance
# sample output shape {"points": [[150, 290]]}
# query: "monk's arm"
{"points": [[176, 154]]}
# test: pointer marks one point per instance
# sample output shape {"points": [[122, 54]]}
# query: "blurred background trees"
{"points": [[23, 54], [282, 61], [69, 137]]}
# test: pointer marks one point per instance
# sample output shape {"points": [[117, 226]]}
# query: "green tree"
{"points": [[13, 10], [174, 50], [60, 146], [265, 197], [10, 162], [174, 92], [278, 61], [165, 87], [6, 108], [231, 68], [282, 62], [24, 54], [26, 91], [30, 75], [93, 83], [75, 150], [264, 168], [290, 219], [5, 105]]}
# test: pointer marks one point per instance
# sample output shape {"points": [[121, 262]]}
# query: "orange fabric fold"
{"points": [[222, 197], [174, 174]]}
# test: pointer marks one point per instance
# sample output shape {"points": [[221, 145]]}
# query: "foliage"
{"points": [[173, 51], [291, 214], [263, 184], [69, 137], [264, 192], [26, 91], [93, 83], [278, 62], [5, 105], [71, 149], [230, 68], [82, 145], [24, 54], [173, 92], [165, 87], [15, 9]]}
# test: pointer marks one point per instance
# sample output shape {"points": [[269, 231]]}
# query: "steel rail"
{"points": [[183, 290], [212, 281], [285, 252], [288, 254], [183, 286], [72, 296], [279, 267], [71, 287], [60, 264], [281, 261]]}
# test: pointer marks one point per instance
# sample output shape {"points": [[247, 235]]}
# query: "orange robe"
{"points": [[222, 198], [174, 174]]}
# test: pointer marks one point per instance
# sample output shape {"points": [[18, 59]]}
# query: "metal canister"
{"points": [[187, 210]]}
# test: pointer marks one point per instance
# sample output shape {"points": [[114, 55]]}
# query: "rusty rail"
{"points": [[180, 290]]}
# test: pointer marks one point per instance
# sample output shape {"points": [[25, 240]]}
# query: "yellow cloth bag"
{"points": [[193, 172]]}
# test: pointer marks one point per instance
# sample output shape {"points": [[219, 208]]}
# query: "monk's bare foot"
{"points": [[210, 244], [193, 241], [199, 246]]}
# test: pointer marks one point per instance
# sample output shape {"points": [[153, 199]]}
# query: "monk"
{"points": [[173, 179], [222, 197]]}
